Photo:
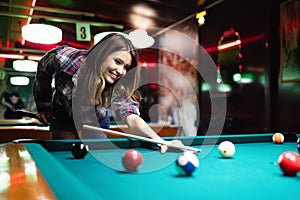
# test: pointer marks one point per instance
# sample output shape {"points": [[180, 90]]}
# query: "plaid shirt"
{"points": [[64, 63]]}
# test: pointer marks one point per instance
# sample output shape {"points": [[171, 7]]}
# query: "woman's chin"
{"points": [[110, 81]]}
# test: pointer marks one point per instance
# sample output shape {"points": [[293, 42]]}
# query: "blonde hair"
{"points": [[91, 80]]}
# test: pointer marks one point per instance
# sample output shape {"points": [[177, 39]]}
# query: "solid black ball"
{"points": [[79, 150]]}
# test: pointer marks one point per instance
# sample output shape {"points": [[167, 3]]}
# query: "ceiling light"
{"points": [[42, 33], [19, 80], [200, 16], [25, 65], [32, 57], [141, 39], [142, 16], [11, 56]]}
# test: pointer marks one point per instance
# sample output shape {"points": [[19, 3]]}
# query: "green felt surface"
{"points": [[249, 174], [61, 180]]}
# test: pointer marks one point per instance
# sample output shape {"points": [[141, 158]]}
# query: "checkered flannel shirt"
{"points": [[64, 63]]}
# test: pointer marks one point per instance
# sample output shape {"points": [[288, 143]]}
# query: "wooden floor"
{"points": [[19, 182]]}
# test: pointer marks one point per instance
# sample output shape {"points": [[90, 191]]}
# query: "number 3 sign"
{"points": [[83, 32]]}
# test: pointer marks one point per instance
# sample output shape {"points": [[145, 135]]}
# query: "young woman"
{"points": [[87, 83]]}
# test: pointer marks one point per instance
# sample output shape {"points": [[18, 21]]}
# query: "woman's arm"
{"points": [[42, 89], [129, 112], [138, 126]]}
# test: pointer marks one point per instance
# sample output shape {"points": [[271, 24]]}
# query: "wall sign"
{"points": [[83, 32]]}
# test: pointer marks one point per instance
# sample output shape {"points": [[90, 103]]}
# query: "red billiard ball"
{"points": [[132, 160], [79, 150], [289, 163]]}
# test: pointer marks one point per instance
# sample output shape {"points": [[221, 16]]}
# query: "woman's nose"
{"points": [[120, 70]]}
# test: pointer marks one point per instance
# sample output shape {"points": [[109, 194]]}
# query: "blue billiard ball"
{"points": [[298, 147], [79, 150], [186, 163]]}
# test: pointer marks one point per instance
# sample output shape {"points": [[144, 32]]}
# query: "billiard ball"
{"points": [[132, 160], [298, 147], [298, 140], [289, 163], [226, 149], [186, 163], [79, 150], [278, 138]]}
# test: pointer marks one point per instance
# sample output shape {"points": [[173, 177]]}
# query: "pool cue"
{"points": [[196, 150], [8, 105], [32, 115], [27, 114]]}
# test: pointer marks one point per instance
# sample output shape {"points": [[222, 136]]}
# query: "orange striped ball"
{"points": [[278, 138]]}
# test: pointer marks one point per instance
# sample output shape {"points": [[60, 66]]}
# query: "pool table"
{"points": [[11, 129], [10, 133], [47, 169], [32, 128], [21, 122]]}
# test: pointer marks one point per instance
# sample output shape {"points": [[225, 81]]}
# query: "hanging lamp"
{"points": [[19, 80], [25, 65], [100, 36], [141, 39], [42, 33]]}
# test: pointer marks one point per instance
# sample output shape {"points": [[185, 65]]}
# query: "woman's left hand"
{"points": [[164, 147]]}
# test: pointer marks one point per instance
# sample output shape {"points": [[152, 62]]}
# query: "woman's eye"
{"points": [[118, 62]]}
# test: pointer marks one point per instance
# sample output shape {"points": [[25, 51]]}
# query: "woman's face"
{"points": [[116, 66]]}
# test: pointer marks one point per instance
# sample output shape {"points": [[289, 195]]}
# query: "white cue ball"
{"points": [[226, 149]]}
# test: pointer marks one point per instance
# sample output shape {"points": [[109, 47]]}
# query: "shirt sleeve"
{"points": [[42, 90], [124, 107]]}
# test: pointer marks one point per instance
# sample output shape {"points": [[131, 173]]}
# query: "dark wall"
{"points": [[288, 107], [288, 96], [265, 104]]}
